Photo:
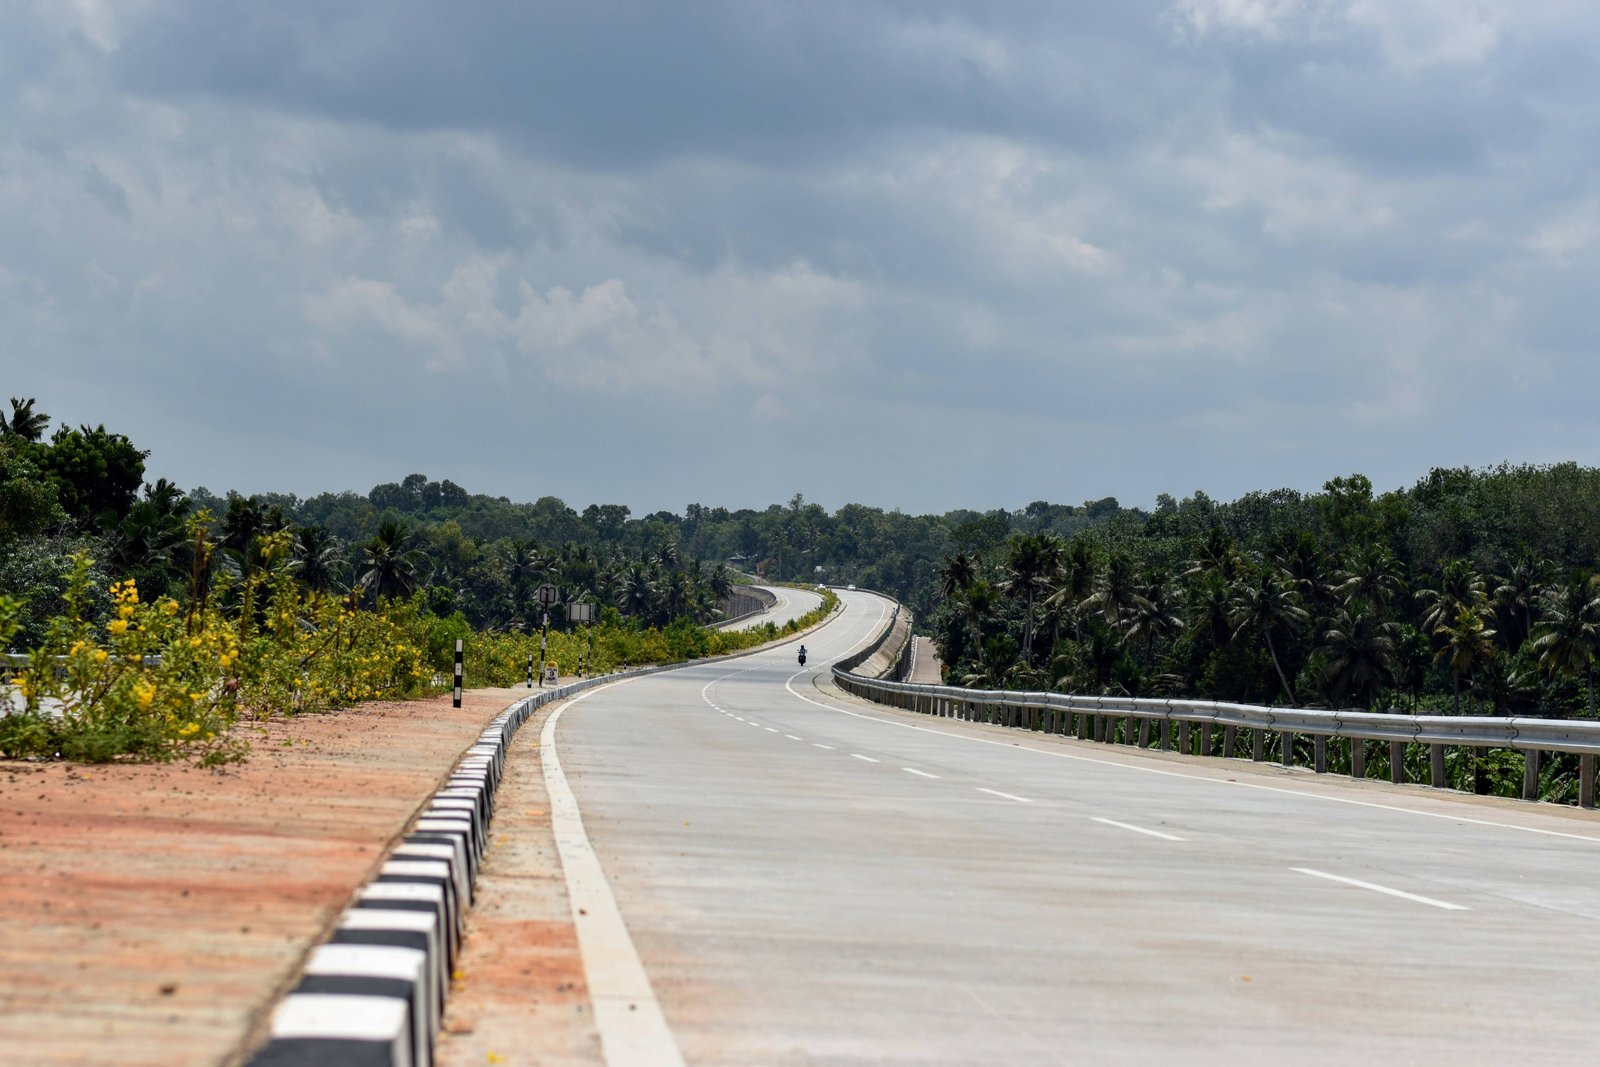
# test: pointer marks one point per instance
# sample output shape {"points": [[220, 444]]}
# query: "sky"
{"points": [[922, 256]]}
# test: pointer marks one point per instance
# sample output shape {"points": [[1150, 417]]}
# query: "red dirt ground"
{"points": [[154, 914]]}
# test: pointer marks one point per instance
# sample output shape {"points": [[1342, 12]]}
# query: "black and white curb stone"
{"points": [[374, 994]]}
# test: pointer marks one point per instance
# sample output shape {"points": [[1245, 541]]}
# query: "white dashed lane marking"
{"points": [[1007, 796], [1137, 829]]}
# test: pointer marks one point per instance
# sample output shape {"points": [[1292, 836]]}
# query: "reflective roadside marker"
{"points": [[456, 701]]}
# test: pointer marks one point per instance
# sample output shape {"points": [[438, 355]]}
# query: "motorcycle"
{"points": [[802, 655]]}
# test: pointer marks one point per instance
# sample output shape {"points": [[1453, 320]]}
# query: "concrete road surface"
{"points": [[792, 604], [812, 880]]}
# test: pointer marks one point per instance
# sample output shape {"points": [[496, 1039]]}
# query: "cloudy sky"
{"points": [[916, 255]]}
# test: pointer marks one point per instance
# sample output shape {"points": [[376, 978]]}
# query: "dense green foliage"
{"points": [[1471, 591]]}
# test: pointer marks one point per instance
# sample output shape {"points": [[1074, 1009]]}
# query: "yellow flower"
{"points": [[117, 626], [125, 611], [99, 655], [169, 608], [189, 729], [144, 693]]}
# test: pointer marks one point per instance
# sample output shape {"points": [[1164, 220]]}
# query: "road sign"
{"points": [[548, 594], [551, 675], [580, 612]]}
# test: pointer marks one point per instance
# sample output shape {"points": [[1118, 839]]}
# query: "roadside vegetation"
{"points": [[147, 627], [1472, 592]]}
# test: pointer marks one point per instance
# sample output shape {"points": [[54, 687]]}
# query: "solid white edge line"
{"points": [[1387, 891], [1008, 796], [1137, 829], [633, 1029]]}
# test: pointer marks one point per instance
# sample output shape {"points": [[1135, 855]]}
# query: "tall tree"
{"points": [[1265, 602], [392, 564], [1467, 642], [1031, 561], [1569, 634], [1360, 656], [24, 422]]}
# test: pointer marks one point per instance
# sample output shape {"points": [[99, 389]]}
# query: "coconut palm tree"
{"points": [[1371, 574], [1215, 553], [1569, 634], [1030, 564], [1074, 583], [956, 573], [24, 422], [1517, 594], [636, 591], [392, 565], [1116, 591], [1460, 587], [1360, 651], [1152, 616], [319, 560], [1265, 602], [1467, 643]]}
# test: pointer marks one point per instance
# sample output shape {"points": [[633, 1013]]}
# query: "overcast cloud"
{"points": [[911, 255]]}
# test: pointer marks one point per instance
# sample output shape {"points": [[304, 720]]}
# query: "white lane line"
{"points": [[858, 755], [633, 1029], [1013, 746], [828, 747], [1008, 796], [770, 730], [791, 737], [919, 774], [1401, 893], [1138, 829]]}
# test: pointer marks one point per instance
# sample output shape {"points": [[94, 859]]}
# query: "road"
{"points": [[812, 880], [792, 604]]}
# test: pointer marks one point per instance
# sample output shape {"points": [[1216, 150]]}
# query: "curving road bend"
{"points": [[812, 880], [792, 604]]}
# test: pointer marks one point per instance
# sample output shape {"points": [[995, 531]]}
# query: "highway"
{"points": [[792, 604], [809, 879]]}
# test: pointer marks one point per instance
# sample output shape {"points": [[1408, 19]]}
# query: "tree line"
{"points": [[1472, 591]]}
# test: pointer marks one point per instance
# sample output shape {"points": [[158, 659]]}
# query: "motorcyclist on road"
{"points": [[802, 655]]}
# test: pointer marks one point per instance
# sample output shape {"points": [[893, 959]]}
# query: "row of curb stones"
{"points": [[373, 994]]}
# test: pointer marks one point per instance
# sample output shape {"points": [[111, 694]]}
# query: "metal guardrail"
{"points": [[1130, 721]]}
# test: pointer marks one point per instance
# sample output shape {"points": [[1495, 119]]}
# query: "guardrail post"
{"points": [[1436, 765], [1203, 738], [1287, 740], [1530, 774], [1144, 733], [1230, 739], [1083, 726], [1185, 740], [1166, 735], [1258, 744], [1397, 762], [1319, 754], [1586, 780], [1358, 757]]}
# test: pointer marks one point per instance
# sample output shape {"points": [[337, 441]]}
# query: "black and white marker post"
{"points": [[455, 701], [548, 595], [530, 672]]}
